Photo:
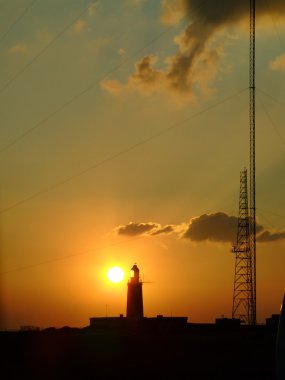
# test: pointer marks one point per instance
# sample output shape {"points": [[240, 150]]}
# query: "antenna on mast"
{"points": [[252, 207]]}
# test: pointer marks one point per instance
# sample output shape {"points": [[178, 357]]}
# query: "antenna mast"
{"points": [[244, 299], [252, 208]]}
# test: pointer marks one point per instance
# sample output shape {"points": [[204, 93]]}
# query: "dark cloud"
{"points": [[221, 12], [196, 63], [268, 236], [207, 18], [218, 227], [146, 77], [134, 229]]}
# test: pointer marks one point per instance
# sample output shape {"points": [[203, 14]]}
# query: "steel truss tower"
{"points": [[252, 207], [243, 282]]}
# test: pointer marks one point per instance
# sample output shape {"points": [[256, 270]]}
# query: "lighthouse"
{"points": [[134, 296]]}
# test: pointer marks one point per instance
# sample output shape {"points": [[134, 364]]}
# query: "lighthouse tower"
{"points": [[134, 297]]}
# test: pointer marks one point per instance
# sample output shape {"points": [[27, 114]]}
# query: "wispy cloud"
{"points": [[269, 236], [79, 26], [149, 228], [122, 53], [114, 87], [278, 64], [19, 48], [164, 230], [134, 229], [172, 12], [93, 8], [83, 24]]}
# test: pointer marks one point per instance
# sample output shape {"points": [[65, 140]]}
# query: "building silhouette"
{"points": [[134, 295]]}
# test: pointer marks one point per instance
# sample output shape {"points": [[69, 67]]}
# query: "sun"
{"points": [[115, 274]]}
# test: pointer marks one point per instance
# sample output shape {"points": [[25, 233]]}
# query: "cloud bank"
{"points": [[216, 227]]}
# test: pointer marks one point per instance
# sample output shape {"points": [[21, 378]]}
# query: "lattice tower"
{"points": [[243, 281]]}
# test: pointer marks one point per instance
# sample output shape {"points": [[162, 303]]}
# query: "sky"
{"points": [[124, 128]]}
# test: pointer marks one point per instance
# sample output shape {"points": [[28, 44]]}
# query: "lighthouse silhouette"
{"points": [[134, 296]]}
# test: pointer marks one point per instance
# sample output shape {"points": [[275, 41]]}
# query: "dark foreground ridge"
{"points": [[197, 351]]}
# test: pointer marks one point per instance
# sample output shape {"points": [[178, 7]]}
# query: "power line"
{"points": [[47, 47], [29, 6], [79, 94], [7, 84], [272, 122], [121, 153], [61, 258], [66, 257], [265, 218], [277, 101], [272, 213]]}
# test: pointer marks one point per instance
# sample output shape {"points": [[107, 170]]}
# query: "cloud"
{"points": [[196, 64], [278, 63], [41, 37], [220, 12], [219, 227], [215, 227], [145, 77], [149, 228], [135, 229], [93, 8], [164, 230], [178, 80], [19, 48], [79, 26], [172, 12], [268, 236], [114, 87], [122, 53]]}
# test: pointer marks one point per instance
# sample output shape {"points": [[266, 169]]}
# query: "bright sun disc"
{"points": [[116, 274]]}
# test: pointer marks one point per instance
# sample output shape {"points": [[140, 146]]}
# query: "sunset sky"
{"points": [[124, 128]]}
